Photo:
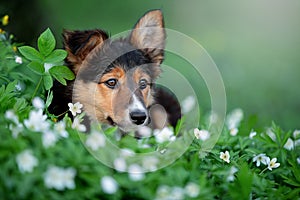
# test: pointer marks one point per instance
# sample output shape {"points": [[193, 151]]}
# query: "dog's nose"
{"points": [[138, 117]]}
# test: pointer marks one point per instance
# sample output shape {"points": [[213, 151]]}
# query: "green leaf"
{"points": [[20, 104], [4, 78], [59, 79], [295, 170], [292, 182], [110, 130], [56, 56], [242, 186], [48, 82], [11, 86], [46, 42], [60, 73], [49, 99], [36, 67], [31, 53]]}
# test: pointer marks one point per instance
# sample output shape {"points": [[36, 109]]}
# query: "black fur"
{"points": [[62, 95], [115, 53], [168, 100]]}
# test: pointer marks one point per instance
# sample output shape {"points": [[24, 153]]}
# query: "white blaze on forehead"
{"points": [[136, 104]]}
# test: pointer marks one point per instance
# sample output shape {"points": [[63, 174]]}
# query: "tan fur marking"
{"points": [[97, 99], [117, 73], [89, 96], [108, 96]]}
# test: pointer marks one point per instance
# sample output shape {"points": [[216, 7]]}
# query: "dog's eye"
{"points": [[111, 83], [143, 84]]}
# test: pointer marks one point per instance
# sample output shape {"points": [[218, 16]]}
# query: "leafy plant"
{"points": [[46, 61], [44, 159]]}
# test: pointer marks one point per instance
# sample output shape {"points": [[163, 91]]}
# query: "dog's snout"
{"points": [[138, 117]]}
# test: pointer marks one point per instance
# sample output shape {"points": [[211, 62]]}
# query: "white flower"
{"points": [[37, 121], [76, 125], [95, 140], [144, 131], [26, 161], [136, 172], [19, 86], [201, 134], [53, 178], [18, 60], [188, 104], [192, 190], [75, 108], [10, 115], [60, 178], [261, 158], [252, 134], [232, 171], [38, 103], [234, 118], [68, 177], [48, 66], [163, 192], [225, 156], [164, 135], [177, 193], [297, 142], [146, 146], [120, 164], [49, 139], [60, 129], [126, 153], [272, 164], [16, 129], [143, 145], [296, 134], [289, 145], [150, 163], [213, 118], [271, 134], [109, 185], [233, 131], [172, 138]]}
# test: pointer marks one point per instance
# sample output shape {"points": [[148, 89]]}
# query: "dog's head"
{"points": [[114, 77]]}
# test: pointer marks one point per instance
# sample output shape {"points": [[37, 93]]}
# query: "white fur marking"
{"points": [[136, 104]]}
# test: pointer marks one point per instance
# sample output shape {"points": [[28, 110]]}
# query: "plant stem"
{"points": [[62, 113], [37, 88], [263, 171]]}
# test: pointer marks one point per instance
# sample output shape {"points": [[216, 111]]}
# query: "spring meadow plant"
{"points": [[43, 158]]}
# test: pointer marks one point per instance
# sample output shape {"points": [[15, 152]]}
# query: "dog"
{"points": [[115, 79]]}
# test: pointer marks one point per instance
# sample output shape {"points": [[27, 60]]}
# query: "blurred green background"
{"points": [[255, 44]]}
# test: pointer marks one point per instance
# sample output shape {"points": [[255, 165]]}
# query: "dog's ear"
{"points": [[79, 43], [149, 35]]}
